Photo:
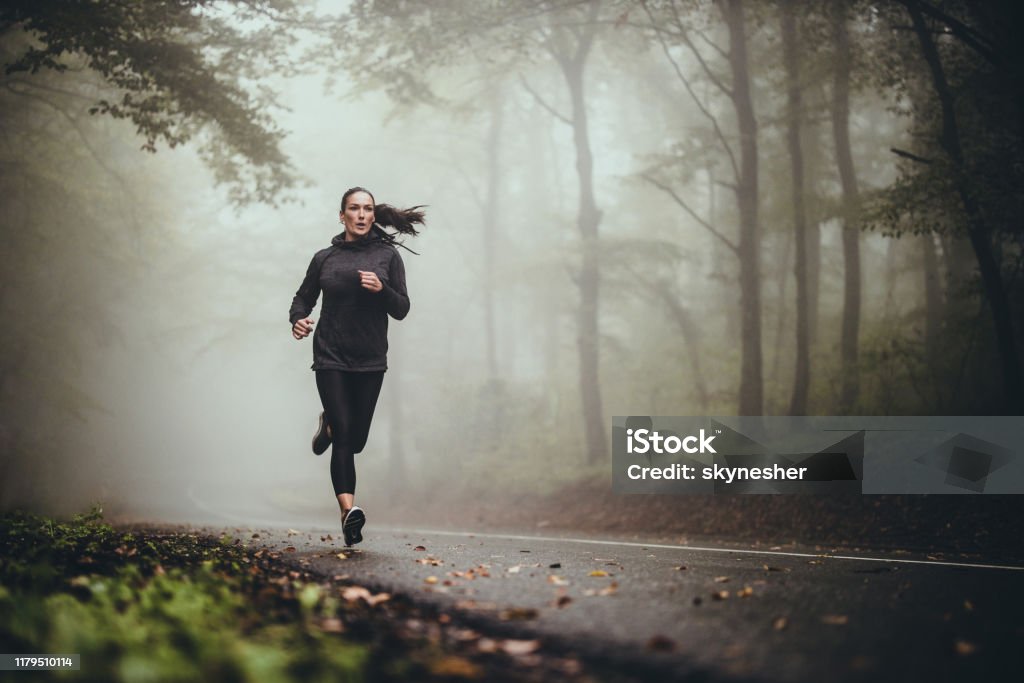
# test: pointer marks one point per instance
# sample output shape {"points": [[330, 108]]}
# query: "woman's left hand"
{"points": [[369, 280]]}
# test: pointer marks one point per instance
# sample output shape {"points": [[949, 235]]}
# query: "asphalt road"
{"points": [[782, 614]]}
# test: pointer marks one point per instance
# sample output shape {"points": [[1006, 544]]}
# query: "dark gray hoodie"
{"points": [[352, 333]]}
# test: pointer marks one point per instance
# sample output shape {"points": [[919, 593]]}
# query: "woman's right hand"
{"points": [[302, 328]]}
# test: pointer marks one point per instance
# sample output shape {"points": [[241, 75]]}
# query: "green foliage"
{"points": [[171, 608], [171, 69]]}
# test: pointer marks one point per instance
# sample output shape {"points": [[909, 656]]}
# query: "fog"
{"points": [[148, 360]]}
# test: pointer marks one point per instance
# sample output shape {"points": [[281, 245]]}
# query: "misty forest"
{"points": [[634, 207]]}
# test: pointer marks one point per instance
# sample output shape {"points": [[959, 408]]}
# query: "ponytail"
{"points": [[402, 220]]}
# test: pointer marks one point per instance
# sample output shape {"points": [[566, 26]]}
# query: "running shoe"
{"points": [[322, 438], [352, 526]]}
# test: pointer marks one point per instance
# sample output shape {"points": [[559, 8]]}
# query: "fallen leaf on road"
{"points": [[452, 666], [555, 565], [514, 570], [419, 548], [332, 625], [474, 605], [610, 589], [353, 593], [556, 580], [373, 600], [780, 623], [464, 635], [745, 592], [292, 532], [432, 561], [721, 579], [599, 572], [681, 568], [964, 648], [562, 601], [430, 580], [342, 556], [290, 549], [487, 645], [968, 605], [519, 647], [519, 614], [720, 595], [835, 619], [661, 644]]}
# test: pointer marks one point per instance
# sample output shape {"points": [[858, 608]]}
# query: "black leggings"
{"points": [[348, 399]]}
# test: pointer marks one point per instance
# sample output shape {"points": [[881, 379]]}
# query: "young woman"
{"points": [[362, 278]]}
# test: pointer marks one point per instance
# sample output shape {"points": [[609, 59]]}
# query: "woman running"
{"points": [[363, 280]]}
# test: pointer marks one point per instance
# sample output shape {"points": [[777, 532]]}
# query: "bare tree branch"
{"points": [[965, 33], [551, 110], [78, 130], [710, 43], [700, 105], [684, 35], [686, 207], [909, 155]]}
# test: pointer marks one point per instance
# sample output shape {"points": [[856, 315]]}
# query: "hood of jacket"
{"points": [[375, 235]]}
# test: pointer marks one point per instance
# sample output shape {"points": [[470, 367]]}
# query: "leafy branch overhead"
{"points": [[172, 69]]}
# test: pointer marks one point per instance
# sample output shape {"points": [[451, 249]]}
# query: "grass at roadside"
{"points": [[169, 607]]}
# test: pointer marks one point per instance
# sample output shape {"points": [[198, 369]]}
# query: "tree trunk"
{"points": [[691, 334], [932, 301], [491, 214], [751, 398], [802, 377], [977, 228], [849, 342], [781, 319], [587, 221]]}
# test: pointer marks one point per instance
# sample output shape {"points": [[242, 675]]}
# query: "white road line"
{"points": [[250, 522], [739, 551]]}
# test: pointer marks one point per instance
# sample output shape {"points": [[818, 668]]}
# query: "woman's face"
{"points": [[358, 215]]}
